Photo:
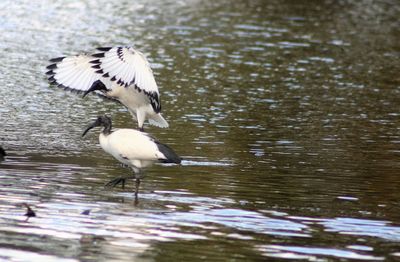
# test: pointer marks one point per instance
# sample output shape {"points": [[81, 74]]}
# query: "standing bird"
{"points": [[118, 73], [133, 148]]}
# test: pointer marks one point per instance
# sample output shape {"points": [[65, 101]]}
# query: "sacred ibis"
{"points": [[133, 148], [119, 73]]}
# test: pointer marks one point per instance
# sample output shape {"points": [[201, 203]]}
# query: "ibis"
{"points": [[133, 148], [118, 73]]}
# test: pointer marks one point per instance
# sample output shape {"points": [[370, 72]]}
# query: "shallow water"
{"points": [[286, 113]]}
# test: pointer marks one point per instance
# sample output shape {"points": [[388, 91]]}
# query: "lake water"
{"points": [[286, 114]]}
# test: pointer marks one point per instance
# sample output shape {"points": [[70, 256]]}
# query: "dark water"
{"points": [[286, 112]]}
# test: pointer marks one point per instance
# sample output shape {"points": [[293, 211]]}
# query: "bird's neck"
{"points": [[107, 129]]}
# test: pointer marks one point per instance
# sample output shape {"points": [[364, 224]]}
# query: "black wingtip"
{"points": [[50, 73], [52, 66], [97, 61], [62, 86], [52, 80], [99, 55], [104, 49], [57, 59]]}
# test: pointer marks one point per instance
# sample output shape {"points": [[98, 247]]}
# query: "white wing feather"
{"points": [[114, 67], [127, 66], [75, 72]]}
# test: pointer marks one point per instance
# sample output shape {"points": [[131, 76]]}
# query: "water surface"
{"points": [[286, 113]]}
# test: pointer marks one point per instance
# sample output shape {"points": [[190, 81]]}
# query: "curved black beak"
{"points": [[104, 121], [93, 125]]}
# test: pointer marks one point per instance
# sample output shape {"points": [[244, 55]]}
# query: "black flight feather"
{"points": [[100, 55], [171, 156], [104, 49], [97, 61], [52, 66], [57, 59]]}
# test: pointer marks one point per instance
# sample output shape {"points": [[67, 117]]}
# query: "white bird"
{"points": [[133, 148], [118, 73]]}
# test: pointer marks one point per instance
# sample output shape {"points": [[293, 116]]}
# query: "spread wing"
{"points": [[74, 73], [129, 68]]}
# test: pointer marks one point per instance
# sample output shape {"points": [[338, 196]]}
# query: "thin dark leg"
{"points": [[141, 129], [137, 187]]}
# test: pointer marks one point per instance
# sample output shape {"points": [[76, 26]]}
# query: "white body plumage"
{"points": [[131, 147], [119, 73]]}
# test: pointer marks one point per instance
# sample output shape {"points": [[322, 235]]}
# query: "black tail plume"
{"points": [[171, 156]]}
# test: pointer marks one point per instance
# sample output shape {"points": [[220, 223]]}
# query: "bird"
{"points": [[119, 73], [29, 211], [2, 154], [131, 147]]}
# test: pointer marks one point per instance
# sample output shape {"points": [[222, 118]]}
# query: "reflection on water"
{"points": [[307, 253], [285, 113]]}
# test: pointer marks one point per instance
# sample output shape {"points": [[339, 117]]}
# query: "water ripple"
{"points": [[310, 253]]}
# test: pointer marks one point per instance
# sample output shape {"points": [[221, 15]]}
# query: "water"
{"points": [[286, 113]]}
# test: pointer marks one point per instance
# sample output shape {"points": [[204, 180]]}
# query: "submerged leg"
{"points": [[137, 184]]}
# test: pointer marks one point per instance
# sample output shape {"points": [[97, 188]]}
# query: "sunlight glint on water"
{"points": [[286, 119]]}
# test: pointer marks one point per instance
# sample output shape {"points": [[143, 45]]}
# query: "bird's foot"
{"points": [[115, 182], [121, 180]]}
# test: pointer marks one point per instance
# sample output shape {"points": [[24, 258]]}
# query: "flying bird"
{"points": [[133, 148], [119, 73]]}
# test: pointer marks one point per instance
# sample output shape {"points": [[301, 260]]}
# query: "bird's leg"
{"points": [[137, 173], [141, 129], [137, 184]]}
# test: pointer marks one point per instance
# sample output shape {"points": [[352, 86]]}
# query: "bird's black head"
{"points": [[104, 121], [97, 85]]}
